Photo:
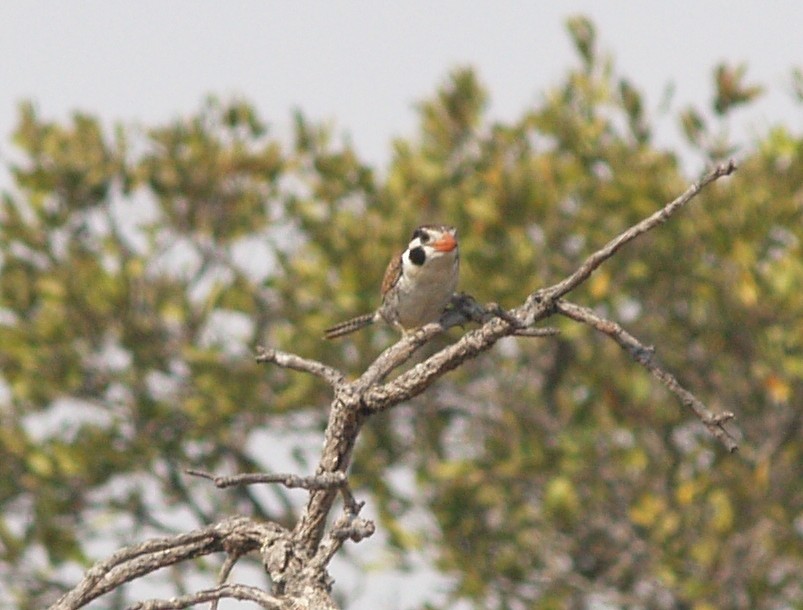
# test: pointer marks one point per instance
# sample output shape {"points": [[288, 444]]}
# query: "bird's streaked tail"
{"points": [[349, 326]]}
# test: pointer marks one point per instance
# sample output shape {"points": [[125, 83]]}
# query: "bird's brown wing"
{"points": [[392, 273]]}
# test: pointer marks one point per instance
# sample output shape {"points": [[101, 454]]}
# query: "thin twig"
{"points": [[661, 216], [355, 530], [225, 571], [546, 331], [645, 356], [306, 365], [327, 480], [235, 591], [494, 310], [351, 505], [348, 527]]}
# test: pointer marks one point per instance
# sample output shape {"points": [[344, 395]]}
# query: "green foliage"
{"points": [[140, 268]]}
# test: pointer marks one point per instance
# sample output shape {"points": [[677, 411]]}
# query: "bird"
{"points": [[418, 283]]}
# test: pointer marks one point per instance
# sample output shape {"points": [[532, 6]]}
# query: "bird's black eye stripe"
{"points": [[421, 235], [417, 256]]}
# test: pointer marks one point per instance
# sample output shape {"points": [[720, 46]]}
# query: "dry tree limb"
{"points": [[214, 595], [330, 480], [645, 356], [661, 216], [225, 571], [347, 527], [546, 331], [463, 309], [237, 534], [306, 365]]}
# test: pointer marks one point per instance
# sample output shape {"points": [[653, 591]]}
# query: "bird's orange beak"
{"points": [[447, 243]]}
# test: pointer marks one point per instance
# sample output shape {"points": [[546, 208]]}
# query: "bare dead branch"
{"points": [[328, 480], [538, 306], [351, 504], [463, 308], [225, 571], [355, 401], [356, 530], [661, 216], [416, 380], [398, 353], [133, 562], [495, 309], [547, 331], [235, 591], [348, 527], [645, 356], [346, 417], [291, 361]]}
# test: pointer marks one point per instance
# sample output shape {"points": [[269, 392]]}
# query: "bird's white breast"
{"points": [[425, 290]]}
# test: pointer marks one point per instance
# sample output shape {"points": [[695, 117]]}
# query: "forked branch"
{"points": [[238, 535]]}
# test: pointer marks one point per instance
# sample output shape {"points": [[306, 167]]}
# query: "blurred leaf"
{"points": [[693, 125], [797, 84], [583, 36], [731, 90]]}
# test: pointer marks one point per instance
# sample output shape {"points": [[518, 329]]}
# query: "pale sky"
{"points": [[363, 65]]}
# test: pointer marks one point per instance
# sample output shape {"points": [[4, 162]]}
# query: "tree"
{"points": [[139, 269]]}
